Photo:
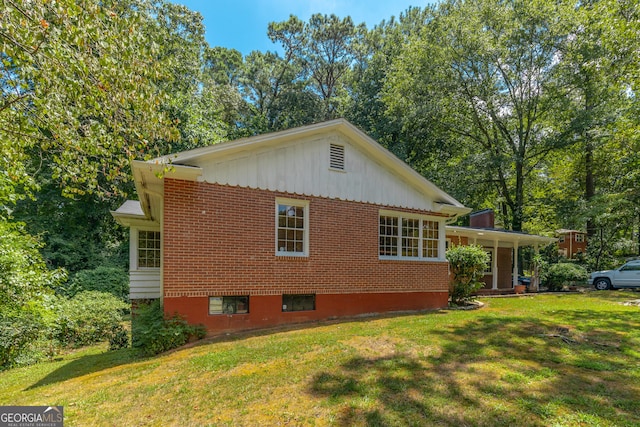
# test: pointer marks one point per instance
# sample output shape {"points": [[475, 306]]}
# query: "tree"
{"points": [[323, 48], [79, 85], [479, 75]]}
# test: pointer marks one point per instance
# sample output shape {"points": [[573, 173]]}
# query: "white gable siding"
{"points": [[303, 167]]}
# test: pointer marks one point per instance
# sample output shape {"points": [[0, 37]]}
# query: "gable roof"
{"points": [[190, 165]]}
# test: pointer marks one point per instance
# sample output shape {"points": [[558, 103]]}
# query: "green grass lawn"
{"points": [[547, 360]]}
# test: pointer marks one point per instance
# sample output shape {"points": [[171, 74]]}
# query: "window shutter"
{"points": [[336, 157]]}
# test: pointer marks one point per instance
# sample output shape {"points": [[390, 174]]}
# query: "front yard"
{"points": [[566, 360]]}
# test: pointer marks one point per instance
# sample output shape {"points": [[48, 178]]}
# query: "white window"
{"points": [[388, 236], [561, 239], [292, 227], [148, 249], [489, 269], [410, 237], [430, 238], [579, 238], [407, 236]]}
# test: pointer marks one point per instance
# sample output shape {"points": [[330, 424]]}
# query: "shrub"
{"points": [[559, 275], [153, 333], [467, 264], [17, 329], [25, 284], [87, 318], [119, 338], [114, 281]]}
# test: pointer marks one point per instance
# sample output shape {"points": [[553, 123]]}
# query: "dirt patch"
{"points": [[378, 347], [635, 302]]}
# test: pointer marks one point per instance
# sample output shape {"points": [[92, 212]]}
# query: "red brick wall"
{"points": [[571, 246], [505, 270], [484, 219], [220, 240]]}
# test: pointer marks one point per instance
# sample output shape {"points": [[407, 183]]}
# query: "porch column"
{"points": [[535, 286], [494, 266], [515, 263]]}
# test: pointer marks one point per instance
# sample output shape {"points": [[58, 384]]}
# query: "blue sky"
{"points": [[242, 24]]}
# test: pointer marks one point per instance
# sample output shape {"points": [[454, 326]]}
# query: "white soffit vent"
{"points": [[336, 156]]}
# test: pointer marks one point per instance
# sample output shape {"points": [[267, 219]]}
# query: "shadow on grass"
{"points": [[80, 365], [87, 364], [523, 363]]}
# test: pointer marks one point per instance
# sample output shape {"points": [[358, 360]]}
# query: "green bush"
{"points": [[119, 338], [25, 285], [467, 264], [114, 281], [559, 275], [153, 333], [87, 318], [18, 328]]}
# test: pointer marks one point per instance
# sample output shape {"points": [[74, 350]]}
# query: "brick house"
{"points": [[501, 245], [305, 224], [571, 243]]}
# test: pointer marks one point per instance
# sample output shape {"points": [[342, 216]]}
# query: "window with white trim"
{"points": [[430, 238], [579, 237], [292, 227], [408, 236], [388, 236], [489, 268], [148, 249]]}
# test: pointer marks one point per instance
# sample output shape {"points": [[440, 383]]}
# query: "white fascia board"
{"points": [[246, 144], [521, 239], [149, 181], [401, 168]]}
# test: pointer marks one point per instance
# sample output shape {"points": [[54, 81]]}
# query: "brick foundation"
{"points": [[266, 310]]}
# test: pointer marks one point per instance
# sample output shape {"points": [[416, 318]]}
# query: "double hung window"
{"points": [[292, 227], [148, 249]]}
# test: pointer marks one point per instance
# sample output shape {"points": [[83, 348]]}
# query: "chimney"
{"points": [[482, 219]]}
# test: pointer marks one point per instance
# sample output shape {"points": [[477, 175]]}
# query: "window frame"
{"points": [[401, 216], [489, 270], [222, 304], [579, 238], [134, 252], [300, 203], [297, 296]]}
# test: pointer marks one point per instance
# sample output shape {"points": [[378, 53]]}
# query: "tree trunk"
{"points": [[589, 182]]}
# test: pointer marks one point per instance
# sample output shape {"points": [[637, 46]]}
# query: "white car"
{"points": [[627, 276]]}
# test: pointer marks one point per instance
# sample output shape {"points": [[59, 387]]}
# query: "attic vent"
{"points": [[336, 157]]}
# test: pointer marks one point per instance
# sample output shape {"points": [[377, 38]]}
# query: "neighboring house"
{"points": [[501, 245], [306, 224], [571, 243]]}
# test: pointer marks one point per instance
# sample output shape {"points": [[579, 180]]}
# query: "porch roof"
{"points": [[515, 238]]}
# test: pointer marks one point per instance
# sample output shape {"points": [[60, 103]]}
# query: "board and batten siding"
{"points": [[303, 167]]}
